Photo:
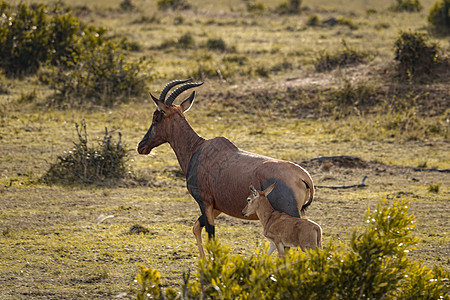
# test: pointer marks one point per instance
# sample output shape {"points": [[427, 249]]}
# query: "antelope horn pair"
{"points": [[176, 92]]}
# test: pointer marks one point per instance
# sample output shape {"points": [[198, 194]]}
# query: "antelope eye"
{"points": [[248, 200]]}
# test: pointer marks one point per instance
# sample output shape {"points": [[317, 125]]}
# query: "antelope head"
{"points": [[166, 114], [254, 198]]}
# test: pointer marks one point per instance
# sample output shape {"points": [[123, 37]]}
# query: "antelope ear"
{"points": [[187, 103], [269, 189], [160, 105], [253, 190]]}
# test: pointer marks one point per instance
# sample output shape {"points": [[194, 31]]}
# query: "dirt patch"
{"points": [[342, 161]]}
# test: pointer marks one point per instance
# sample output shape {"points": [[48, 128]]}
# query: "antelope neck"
{"points": [[264, 211], [184, 143]]}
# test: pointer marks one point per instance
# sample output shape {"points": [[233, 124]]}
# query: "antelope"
{"points": [[281, 229], [217, 172]]}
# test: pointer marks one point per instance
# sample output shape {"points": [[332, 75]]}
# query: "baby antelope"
{"points": [[281, 229]]}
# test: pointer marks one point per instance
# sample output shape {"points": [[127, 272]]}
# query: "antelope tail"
{"points": [[309, 196], [319, 238]]}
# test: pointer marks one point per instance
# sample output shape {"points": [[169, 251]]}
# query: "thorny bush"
{"points": [[90, 165]]}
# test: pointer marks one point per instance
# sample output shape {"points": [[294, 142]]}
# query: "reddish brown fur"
{"points": [[281, 229], [220, 172]]}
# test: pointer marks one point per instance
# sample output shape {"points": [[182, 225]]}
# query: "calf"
{"points": [[281, 229]]}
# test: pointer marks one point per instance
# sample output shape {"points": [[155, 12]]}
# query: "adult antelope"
{"points": [[217, 172], [281, 229]]}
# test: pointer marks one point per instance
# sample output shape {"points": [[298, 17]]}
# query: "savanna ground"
{"points": [[269, 100]]}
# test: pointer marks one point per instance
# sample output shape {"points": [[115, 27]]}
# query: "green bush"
{"points": [[86, 164], [4, 86], [342, 58], [173, 5], [416, 56], [100, 75], [82, 66], [375, 265], [347, 22], [350, 96], [186, 41], [256, 7], [127, 5], [290, 7], [34, 35], [407, 5], [439, 16], [24, 38], [313, 20], [183, 42], [217, 44]]}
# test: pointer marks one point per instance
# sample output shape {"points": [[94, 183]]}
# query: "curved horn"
{"points": [[179, 90], [153, 97], [166, 89]]}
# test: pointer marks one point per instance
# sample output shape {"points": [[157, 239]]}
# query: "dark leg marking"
{"points": [[202, 220], [210, 230]]}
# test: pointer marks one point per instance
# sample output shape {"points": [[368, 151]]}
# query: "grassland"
{"points": [[273, 103]]}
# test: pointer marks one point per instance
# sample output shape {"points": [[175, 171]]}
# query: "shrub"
{"points": [[35, 35], [415, 54], [342, 58], [186, 41], [407, 5], [290, 7], [24, 38], [4, 90], [313, 20], [127, 5], [101, 76], [173, 5], [81, 63], [376, 266], [439, 16], [256, 7], [88, 165], [27, 97], [433, 188], [240, 60], [350, 96], [217, 44], [347, 22], [183, 42]]}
